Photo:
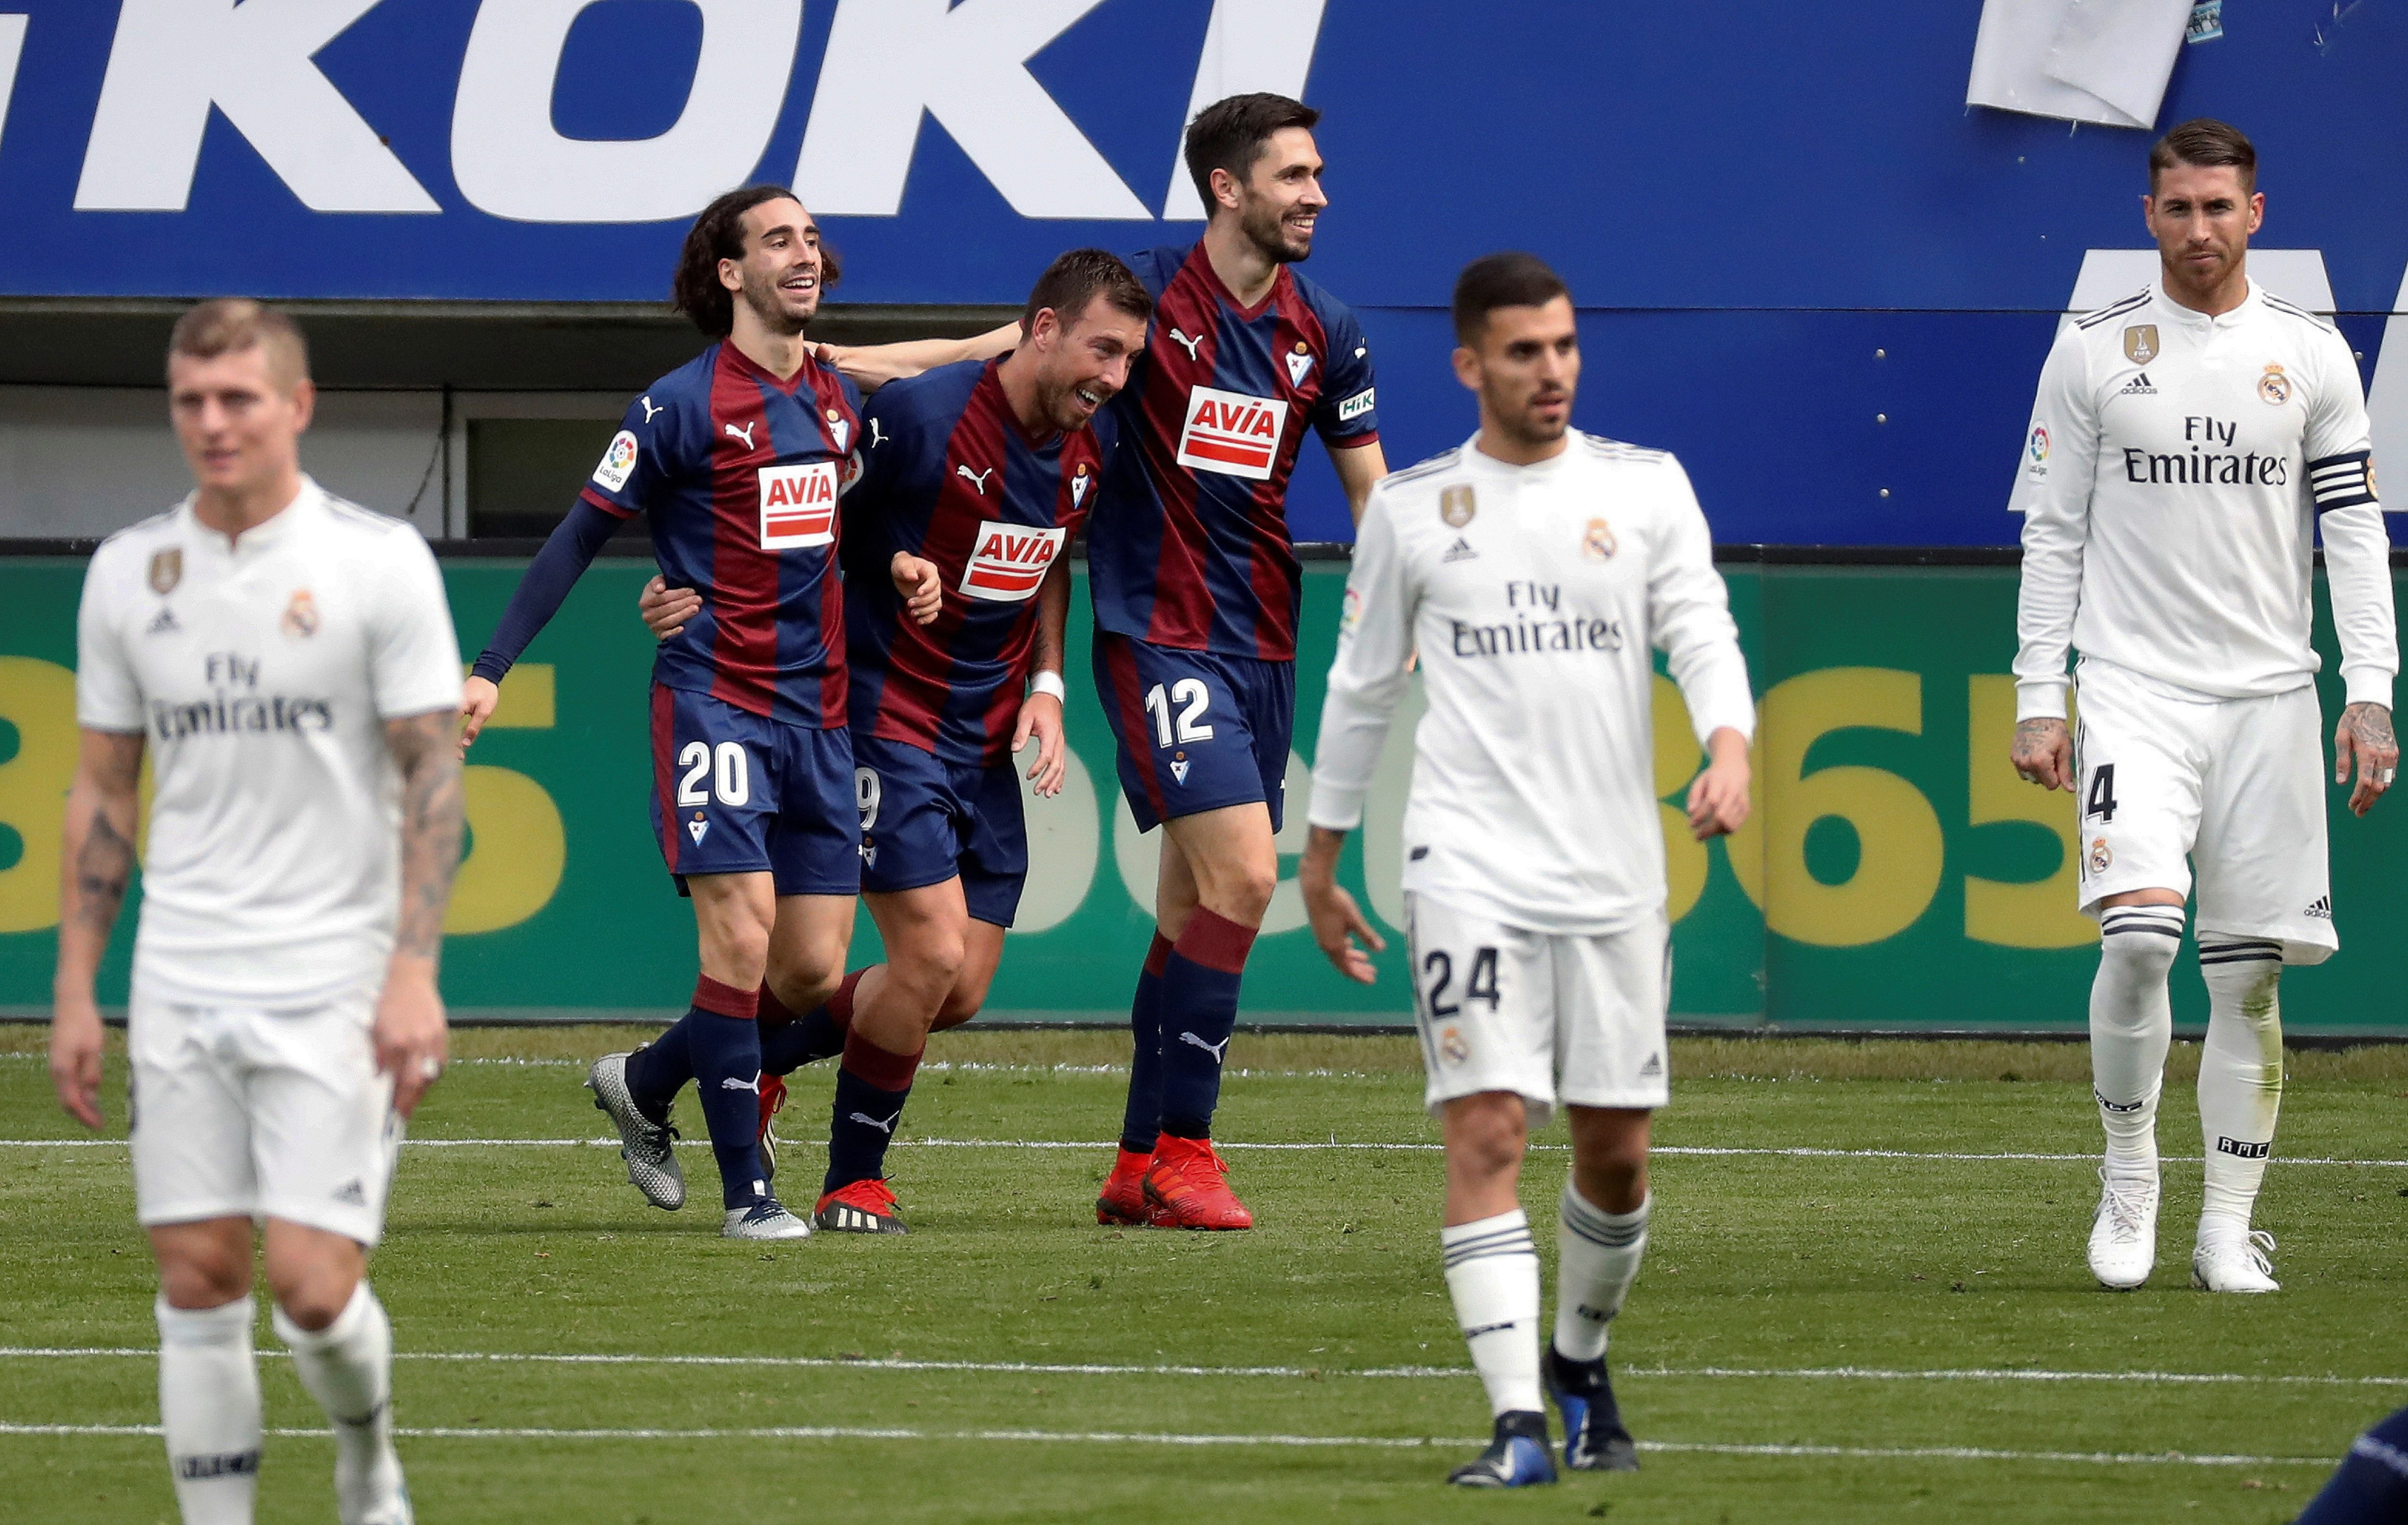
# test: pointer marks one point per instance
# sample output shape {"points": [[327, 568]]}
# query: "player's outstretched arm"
{"points": [[565, 556], [1336, 919], [410, 1035], [2044, 752], [1040, 713], [96, 868], [870, 367], [2365, 733]]}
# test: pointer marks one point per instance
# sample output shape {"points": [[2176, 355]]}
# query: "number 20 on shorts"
{"points": [[724, 771]]}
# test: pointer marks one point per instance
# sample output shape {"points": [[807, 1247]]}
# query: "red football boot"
{"points": [[1121, 1204], [1185, 1186], [861, 1207], [773, 1101]]}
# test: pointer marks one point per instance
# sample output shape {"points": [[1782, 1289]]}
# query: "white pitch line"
{"points": [[1027, 1368], [1109, 1437], [1765, 1151]]}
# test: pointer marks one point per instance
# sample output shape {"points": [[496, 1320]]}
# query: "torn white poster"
{"points": [[2098, 61]]}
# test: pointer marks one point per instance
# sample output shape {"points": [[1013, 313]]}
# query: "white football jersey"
{"points": [[2176, 471], [260, 673], [1536, 596]]}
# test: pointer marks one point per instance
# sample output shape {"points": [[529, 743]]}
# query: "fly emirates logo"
{"points": [[1010, 562], [1231, 432], [798, 506]]}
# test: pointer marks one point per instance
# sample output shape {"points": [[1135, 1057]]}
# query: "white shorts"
{"points": [[237, 1112], [2235, 786], [1542, 1014]]}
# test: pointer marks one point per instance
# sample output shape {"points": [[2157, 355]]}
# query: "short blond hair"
{"points": [[227, 325]]}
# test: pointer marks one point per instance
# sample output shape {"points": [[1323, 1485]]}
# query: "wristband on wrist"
{"points": [[1044, 682]]}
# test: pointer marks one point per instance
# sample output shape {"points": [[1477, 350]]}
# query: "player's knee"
{"points": [[964, 1001], [1616, 1182], [1242, 893], [312, 1291], [2137, 955], [207, 1278]]}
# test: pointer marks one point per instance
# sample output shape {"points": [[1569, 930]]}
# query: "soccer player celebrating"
{"points": [[288, 661], [1533, 569], [983, 470], [2187, 445], [1196, 591], [737, 459]]}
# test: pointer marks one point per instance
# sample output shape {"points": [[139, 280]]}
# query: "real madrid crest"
{"points": [[2274, 388], [301, 615], [2101, 856], [1456, 506], [166, 570], [1596, 542], [2140, 343], [1453, 1047]]}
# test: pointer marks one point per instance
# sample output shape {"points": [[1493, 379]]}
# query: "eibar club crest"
{"points": [[1080, 481], [2140, 343], [1598, 543], [837, 428], [1299, 361], [166, 570], [301, 615], [1456, 506]]}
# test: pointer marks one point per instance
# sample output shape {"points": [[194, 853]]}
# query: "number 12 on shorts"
{"points": [[1191, 698]]}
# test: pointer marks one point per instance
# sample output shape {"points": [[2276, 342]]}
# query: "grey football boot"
{"points": [[648, 1147]]}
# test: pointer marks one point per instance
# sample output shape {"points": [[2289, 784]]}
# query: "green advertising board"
{"points": [[1896, 875]]}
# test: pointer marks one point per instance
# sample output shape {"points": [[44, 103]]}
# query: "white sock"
{"points": [[347, 1367], [1492, 1273], [1598, 1256], [2131, 1024], [2240, 1073], [209, 1406]]}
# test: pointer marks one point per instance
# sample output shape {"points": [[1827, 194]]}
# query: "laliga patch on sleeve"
{"points": [[618, 461], [1355, 407]]}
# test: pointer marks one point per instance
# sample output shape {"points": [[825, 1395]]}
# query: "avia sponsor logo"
{"points": [[1010, 561], [2241, 1150], [798, 506], [2198, 463], [1231, 432], [175, 66]]}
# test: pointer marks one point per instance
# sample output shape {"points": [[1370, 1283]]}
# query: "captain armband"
{"points": [[2343, 481]]}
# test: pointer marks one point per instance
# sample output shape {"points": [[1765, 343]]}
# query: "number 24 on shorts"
{"points": [[1439, 965]]}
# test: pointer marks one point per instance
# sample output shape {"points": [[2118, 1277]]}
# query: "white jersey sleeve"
{"points": [[108, 697], [1689, 618], [2060, 462], [413, 654], [2358, 549], [1375, 638]]}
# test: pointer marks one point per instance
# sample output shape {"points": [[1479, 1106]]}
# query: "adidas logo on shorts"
{"points": [[2320, 907], [352, 1192], [1653, 1068]]}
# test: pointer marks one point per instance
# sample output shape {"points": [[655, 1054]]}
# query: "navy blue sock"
{"points": [[816, 1034], [660, 1069], [1142, 1119], [2371, 1487], [1200, 1011], [870, 1089], [727, 1049]]}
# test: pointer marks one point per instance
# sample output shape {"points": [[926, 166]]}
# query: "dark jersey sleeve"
{"points": [[640, 457], [1346, 413]]}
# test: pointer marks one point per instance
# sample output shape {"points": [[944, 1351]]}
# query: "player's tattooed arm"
{"points": [[96, 869], [2365, 733], [409, 1034], [2043, 753]]}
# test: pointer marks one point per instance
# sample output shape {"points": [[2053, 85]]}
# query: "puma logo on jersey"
{"points": [[744, 434], [1232, 432], [1213, 1048], [648, 408], [976, 478], [877, 434], [753, 1085], [1185, 343], [868, 1121]]}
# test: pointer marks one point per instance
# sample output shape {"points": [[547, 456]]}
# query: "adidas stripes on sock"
{"points": [[209, 1410], [1492, 1274], [347, 1367], [1142, 1119], [1598, 1256], [2239, 1072], [2131, 1024]]}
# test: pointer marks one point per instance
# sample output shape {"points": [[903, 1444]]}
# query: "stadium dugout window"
{"points": [[518, 460]]}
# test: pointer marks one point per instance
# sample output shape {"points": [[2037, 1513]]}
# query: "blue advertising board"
{"points": [[1811, 269]]}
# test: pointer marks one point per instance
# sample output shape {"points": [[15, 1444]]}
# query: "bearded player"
{"points": [[1535, 570], [737, 460], [2188, 446], [1196, 591], [985, 470]]}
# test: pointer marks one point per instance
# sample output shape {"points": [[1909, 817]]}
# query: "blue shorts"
{"points": [[1198, 729], [925, 820], [736, 793]]}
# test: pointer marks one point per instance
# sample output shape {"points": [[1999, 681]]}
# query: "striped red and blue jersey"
{"points": [[738, 476], [1190, 547], [948, 473]]}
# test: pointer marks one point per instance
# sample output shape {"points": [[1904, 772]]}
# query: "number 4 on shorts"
{"points": [[2100, 803]]}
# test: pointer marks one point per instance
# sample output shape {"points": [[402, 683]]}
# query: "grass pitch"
{"points": [[1893, 1321]]}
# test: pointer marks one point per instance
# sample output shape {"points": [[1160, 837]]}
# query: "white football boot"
{"points": [[2226, 1261], [2123, 1236], [649, 1148], [764, 1219]]}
